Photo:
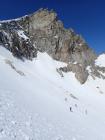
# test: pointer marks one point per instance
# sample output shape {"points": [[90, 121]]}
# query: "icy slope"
{"points": [[36, 103]]}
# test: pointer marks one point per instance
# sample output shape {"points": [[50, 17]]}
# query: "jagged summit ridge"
{"points": [[48, 34], [42, 31]]}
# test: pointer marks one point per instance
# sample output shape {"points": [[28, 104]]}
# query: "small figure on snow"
{"points": [[71, 109], [86, 111]]}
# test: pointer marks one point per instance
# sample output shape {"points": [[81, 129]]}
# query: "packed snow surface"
{"points": [[37, 103]]}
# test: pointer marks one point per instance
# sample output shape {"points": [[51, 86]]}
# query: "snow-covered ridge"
{"points": [[15, 19], [101, 60]]}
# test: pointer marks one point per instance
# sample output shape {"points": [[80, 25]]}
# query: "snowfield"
{"points": [[36, 103]]}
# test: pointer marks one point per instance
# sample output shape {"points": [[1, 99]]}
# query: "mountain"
{"points": [[51, 82]]}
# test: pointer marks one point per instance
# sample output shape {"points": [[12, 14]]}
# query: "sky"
{"points": [[86, 17]]}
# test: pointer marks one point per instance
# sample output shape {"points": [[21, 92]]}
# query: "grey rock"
{"points": [[80, 72], [48, 34], [19, 46]]}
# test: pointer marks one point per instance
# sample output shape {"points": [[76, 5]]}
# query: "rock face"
{"points": [[16, 40], [80, 72], [42, 31], [49, 35]]}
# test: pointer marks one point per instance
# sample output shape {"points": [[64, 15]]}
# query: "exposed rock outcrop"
{"points": [[80, 72], [49, 35], [16, 40]]}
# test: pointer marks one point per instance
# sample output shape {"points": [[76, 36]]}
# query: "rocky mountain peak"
{"points": [[42, 18], [43, 31]]}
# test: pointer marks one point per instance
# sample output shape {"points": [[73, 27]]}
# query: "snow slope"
{"points": [[36, 103]]}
